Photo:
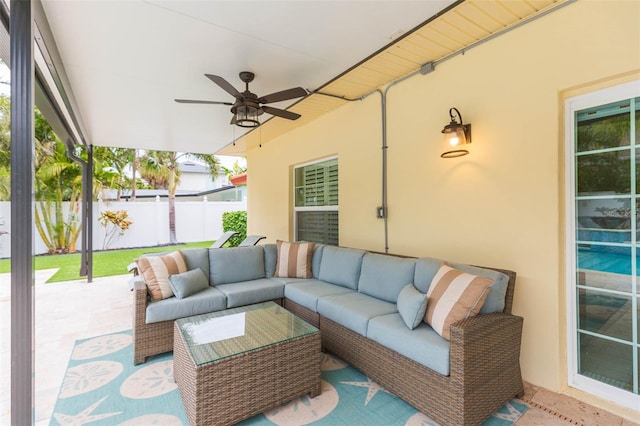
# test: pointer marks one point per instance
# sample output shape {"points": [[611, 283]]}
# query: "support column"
{"points": [[22, 204], [88, 197]]}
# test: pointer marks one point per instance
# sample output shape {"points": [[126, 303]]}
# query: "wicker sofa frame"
{"points": [[484, 364], [484, 359], [149, 339]]}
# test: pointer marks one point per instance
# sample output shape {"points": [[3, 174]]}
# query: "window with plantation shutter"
{"points": [[316, 202]]}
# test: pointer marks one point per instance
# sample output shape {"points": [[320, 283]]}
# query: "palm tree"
{"points": [[111, 167], [57, 179], [160, 169]]}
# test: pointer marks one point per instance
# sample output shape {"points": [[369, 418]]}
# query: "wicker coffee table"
{"points": [[234, 364]]}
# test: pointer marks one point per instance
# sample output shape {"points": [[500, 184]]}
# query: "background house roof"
{"points": [[191, 167]]}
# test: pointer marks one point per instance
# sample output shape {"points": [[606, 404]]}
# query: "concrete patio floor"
{"points": [[75, 310]]}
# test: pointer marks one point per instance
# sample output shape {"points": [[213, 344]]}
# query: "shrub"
{"points": [[235, 221], [114, 224]]}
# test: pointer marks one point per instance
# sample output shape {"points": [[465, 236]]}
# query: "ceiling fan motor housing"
{"points": [[247, 76]]}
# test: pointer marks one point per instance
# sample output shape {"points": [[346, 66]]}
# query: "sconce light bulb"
{"points": [[454, 141]]}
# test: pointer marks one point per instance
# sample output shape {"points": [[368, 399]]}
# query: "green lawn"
{"points": [[105, 263]]}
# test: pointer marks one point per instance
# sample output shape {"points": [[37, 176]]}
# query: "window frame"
{"points": [[576, 380], [297, 209]]}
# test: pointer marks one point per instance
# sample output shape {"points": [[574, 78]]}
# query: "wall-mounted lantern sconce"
{"points": [[455, 135]]}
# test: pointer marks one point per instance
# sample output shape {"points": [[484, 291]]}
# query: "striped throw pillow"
{"points": [[453, 296], [294, 260], [156, 270]]}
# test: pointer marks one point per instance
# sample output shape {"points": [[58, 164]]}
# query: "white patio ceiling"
{"points": [[127, 60]]}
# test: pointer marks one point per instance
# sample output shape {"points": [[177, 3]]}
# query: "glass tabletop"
{"points": [[218, 335]]}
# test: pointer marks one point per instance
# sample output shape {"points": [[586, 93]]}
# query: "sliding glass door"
{"points": [[603, 130]]}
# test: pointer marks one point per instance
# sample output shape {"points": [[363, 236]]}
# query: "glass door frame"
{"points": [[574, 379]]}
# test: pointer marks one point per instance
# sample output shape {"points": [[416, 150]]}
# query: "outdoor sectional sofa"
{"points": [[352, 297]]}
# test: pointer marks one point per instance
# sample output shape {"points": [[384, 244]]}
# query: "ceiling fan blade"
{"points": [[224, 84], [191, 101], [283, 95], [281, 113]]}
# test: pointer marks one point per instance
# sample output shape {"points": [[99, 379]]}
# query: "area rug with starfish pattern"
{"points": [[103, 387]]}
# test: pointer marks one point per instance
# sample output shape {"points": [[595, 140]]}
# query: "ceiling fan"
{"points": [[248, 106]]}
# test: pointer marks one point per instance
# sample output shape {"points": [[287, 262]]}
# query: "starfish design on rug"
{"points": [[373, 388], [513, 415], [84, 416]]}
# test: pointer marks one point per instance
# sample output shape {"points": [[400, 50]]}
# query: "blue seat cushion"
{"points": [[422, 344], [306, 293], [250, 292], [354, 310], [341, 266], [235, 264], [287, 280], [207, 300], [384, 276]]}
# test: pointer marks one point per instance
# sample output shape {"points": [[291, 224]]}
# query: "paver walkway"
{"points": [[64, 312]]}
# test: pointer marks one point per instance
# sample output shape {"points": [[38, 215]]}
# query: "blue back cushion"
{"points": [[498, 292], [341, 266], [316, 260], [427, 267], [270, 259], [197, 258], [235, 264], [384, 276]]}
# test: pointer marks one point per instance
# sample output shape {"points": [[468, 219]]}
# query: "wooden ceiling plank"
{"points": [[385, 63], [401, 51], [541, 4], [496, 10], [481, 17], [462, 23], [420, 49], [362, 75], [436, 37], [438, 49], [520, 8], [451, 32], [400, 58], [359, 80]]}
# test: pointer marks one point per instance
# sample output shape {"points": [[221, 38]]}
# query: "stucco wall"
{"points": [[502, 204]]}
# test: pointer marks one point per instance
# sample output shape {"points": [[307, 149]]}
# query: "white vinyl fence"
{"points": [[195, 221]]}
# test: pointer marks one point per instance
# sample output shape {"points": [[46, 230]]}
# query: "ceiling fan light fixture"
{"points": [[246, 116]]}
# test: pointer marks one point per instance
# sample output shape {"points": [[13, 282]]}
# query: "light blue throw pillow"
{"points": [[412, 306], [188, 283]]}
